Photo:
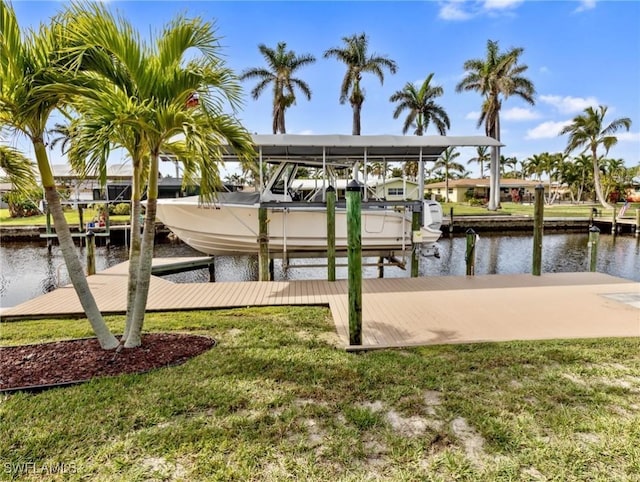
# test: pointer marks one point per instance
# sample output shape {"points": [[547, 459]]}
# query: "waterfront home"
{"points": [[463, 190], [391, 189]]}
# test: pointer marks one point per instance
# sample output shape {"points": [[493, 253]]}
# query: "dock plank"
{"points": [[397, 311]]}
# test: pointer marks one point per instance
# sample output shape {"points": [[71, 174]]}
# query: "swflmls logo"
{"points": [[34, 468]]}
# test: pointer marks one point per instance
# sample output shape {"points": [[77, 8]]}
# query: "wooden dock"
{"points": [[397, 312]]}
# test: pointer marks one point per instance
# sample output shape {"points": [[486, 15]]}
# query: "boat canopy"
{"points": [[300, 147]]}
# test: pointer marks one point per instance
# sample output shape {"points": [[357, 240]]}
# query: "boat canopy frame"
{"points": [[349, 149]]}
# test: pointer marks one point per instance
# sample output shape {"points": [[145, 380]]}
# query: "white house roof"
{"points": [[113, 171], [312, 147]]}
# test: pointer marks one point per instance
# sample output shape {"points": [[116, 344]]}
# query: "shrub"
{"points": [[120, 209], [23, 205]]}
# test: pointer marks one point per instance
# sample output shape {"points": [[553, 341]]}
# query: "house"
{"points": [[462, 190], [390, 189]]}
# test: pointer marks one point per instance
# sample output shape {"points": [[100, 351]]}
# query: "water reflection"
{"points": [[28, 269]]}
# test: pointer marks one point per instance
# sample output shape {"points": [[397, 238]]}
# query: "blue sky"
{"points": [[579, 53]]}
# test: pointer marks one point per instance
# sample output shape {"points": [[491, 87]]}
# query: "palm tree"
{"points": [[152, 100], [355, 56], [27, 64], [421, 106], [497, 76], [482, 158], [17, 168], [536, 165], [447, 162], [587, 130], [282, 64]]}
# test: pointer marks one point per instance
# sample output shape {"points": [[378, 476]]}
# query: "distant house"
{"points": [[461, 190], [391, 189]]}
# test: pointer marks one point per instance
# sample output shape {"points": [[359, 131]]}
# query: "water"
{"points": [[29, 270]]}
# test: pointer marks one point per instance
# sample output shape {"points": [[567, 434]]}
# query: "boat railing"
{"points": [[415, 206]]}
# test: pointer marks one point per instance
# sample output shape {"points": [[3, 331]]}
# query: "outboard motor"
{"points": [[432, 214]]}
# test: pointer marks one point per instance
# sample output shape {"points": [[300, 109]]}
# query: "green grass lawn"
{"points": [[554, 210], [275, 400], [73, 218]]}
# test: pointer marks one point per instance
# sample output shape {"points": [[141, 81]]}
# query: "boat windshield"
{"points": [[283, 179]]}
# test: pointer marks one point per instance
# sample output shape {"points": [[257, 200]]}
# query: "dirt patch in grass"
{"points": [[71, 361]]}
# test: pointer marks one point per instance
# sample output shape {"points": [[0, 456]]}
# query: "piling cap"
{"points": [[330, 189], [354, 186], [594, 229], [90, 233]]}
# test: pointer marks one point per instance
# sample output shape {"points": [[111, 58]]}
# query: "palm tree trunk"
{"points": [[106, 339], [596, 181], [134, 337], [282, 127], [357, 108], [446, 185], [134, 248], [496, 192]]}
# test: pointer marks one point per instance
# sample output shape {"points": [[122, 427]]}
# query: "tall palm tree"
{"points": [[588, 131], [17, 168], [355, 56], [447, 162], [496, 77], [482, 157], [27, 64], [281, 65], [421, 106], [152, 100]]}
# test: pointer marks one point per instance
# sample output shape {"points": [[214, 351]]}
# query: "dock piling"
{"points": [[91, 253], [331, 233], [263, 240], [614, 223], [637, 223], [470, 256], [538, 222], [354, 257], [594, 237]]}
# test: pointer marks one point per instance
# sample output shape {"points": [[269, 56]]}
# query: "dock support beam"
{"points": [[614, 226], [331, 233], [263, 240], [212, 270], [451, 221], [594, 237], [637, 222], [354, 258], [538, 217]]}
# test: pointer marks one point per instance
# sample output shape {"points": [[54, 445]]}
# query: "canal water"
{"points": [[29, 270]]}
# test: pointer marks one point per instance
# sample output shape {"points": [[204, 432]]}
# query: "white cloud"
{"points": [[585, 5], [628, 136], [472, 116], [501, 4], [546, 130], [568, 104], [544, 69], [520, 114], [460, 10], [306, 132], [453, 10]]}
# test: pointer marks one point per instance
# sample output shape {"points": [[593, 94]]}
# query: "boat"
{"points": [[297, 219]]}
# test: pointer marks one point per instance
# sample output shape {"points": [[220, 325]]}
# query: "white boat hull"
{"points": [[225, 229]]}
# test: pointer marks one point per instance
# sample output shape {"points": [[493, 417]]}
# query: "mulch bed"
{"points": [[66, 362]]}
